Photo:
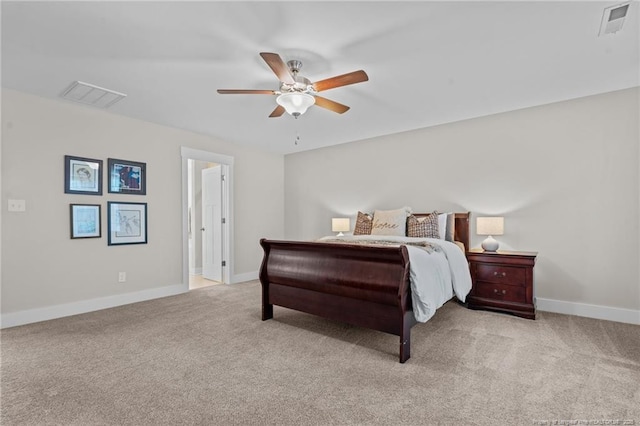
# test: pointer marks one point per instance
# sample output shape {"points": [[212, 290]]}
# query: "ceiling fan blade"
{"points": [[245, 92], [331, 105], [277, 112], [341, 80], [280, 69]]}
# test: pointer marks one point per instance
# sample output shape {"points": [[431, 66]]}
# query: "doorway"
{"points": [[207, 218], [205, 223], [212, 221]]}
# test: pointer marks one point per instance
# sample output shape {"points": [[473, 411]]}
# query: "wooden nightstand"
{"points": [[502, 281]]}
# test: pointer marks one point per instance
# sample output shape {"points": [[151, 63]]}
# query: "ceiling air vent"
{"points": [[613, 18], [89, 94]]}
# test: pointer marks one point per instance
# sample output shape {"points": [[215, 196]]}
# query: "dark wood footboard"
{"points": [[360, 285]]}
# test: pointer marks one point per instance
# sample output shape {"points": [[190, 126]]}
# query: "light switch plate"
{"points": [[17, 205]]}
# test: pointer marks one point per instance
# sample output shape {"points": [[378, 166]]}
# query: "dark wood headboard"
{"points": [[461, 233]]}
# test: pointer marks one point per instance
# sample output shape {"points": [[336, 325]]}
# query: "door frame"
{"points": [[227, 209]]}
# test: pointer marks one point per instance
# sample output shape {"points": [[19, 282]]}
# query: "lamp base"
{"points": [[490, 244], [340, 234]]}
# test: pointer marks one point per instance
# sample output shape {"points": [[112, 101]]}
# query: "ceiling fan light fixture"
{"points": [[295, 103], [297, 93]]}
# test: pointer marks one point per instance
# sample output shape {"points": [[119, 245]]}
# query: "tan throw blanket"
{"points": [[424, 245]]}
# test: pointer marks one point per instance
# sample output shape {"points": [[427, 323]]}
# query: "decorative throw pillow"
{"points": [[390, 222], [364, 222], [424, 227]]}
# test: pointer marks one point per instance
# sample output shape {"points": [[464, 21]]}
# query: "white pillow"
{"points": [[442, 225], [390, 222], [446, 226]]}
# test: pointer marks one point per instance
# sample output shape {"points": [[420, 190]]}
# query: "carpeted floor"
{"points": [[206, 358]]}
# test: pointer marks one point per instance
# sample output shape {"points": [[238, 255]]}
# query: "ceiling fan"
{"points": [[296, 93]]}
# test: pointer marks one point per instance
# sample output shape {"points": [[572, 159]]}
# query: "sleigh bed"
{"points": [[362, 285]]}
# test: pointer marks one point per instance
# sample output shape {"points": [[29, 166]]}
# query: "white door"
{"points": [[212, 223]]}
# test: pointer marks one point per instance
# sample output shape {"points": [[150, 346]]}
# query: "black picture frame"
{"points": [[127, 177], [126, 223], [82, 175], [86, 221]]}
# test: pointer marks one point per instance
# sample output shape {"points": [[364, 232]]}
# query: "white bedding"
{"points": [[434, 277]]}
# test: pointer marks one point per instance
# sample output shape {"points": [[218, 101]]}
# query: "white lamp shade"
{"points": [[490, 226], [295, 103], [340, 224]]}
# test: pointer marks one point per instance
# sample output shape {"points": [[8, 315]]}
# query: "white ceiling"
{"points": [[428, 62]]}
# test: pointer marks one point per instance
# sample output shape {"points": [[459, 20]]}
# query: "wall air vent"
{"points": [[89, 94], [613, 18]]}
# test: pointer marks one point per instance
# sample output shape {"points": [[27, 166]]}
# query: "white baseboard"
{"points": [[247, 276], [58, 311], [14, 319], [608, 313]]}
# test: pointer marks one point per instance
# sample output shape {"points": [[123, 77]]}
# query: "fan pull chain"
{"points": [[297, 133]]}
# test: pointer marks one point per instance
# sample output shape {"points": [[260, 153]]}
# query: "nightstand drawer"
{"points": [[493, 291], [500, 274]]}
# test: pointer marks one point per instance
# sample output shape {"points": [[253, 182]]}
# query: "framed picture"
{"points": [[127, 223], [82, 175], [85, 221], [127, 177]]}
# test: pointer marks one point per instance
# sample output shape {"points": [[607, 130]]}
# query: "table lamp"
{"points": [[340, 225], [490, 226]]}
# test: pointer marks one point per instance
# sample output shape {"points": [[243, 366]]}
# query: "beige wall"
{"points": [[565, 176], [43, 267]]}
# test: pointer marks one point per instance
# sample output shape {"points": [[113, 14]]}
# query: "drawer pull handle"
{"points": [[495, 290], [503, 274]]}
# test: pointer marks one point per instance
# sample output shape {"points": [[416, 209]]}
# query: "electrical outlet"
{"points": [[17, 205], [122, 277]]}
